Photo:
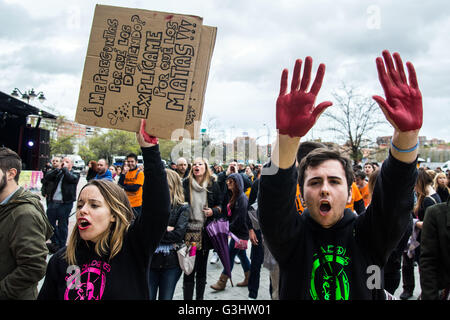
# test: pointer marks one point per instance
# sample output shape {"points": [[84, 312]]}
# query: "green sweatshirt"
{"points": [[24, 229]]}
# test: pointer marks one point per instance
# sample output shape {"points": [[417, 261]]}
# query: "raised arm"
{"points": [[295, 115], [152, 223], [402, 106], [387, 217], [295, 112]]}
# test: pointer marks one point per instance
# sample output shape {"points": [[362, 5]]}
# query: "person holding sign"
{"points": [[108, 253], [328, 253]]}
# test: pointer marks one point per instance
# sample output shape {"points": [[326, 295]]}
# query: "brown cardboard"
{"points": [[195, 109], [140, 64]]}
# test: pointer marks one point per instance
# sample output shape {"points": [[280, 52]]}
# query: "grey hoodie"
{"points": [[24, 229]]}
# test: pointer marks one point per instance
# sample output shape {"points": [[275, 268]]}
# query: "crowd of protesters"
{"points": [[317, 224]]}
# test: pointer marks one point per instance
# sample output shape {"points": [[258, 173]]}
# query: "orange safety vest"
{"points": [[133, 177], [356, 196], [365, 194]]}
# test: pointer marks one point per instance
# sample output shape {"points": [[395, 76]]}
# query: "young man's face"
{"points": [[360, 182], [326, 193], [131, 163]]}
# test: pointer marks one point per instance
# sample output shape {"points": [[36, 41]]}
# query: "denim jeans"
{"points": [[257, 259], [242, 254], [58, 216], [165, 280]]}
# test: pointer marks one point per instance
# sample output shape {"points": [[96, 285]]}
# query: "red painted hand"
{"points": [[296, 113], [144, 139], [403, 104]]}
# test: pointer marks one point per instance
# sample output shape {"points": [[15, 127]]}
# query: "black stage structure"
{"points": [[32, 144]]}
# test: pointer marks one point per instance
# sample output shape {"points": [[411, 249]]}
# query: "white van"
{"points": [[446, 166], [78, 163]]}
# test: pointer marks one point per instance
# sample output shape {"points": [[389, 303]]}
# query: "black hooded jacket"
{"points": [[239, 218], [345, 261]]}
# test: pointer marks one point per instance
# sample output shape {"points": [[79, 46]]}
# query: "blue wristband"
{"points": [[405, 150]]}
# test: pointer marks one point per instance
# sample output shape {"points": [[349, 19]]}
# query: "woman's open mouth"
{"points": [[83, 224]]}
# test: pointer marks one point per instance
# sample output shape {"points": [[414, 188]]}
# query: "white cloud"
{"points": [[44, 45]]}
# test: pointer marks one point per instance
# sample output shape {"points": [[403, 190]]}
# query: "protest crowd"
{"points": [[326, 229]]}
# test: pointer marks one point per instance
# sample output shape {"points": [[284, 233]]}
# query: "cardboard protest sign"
{"points": [[195, 108], [141, 64]]}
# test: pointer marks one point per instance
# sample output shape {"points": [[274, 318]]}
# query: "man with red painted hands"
{"points": [[327, 253]]}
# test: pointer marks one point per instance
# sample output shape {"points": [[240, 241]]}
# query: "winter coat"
{"points": [[24, 229], [68, 186], [214, 201], [435, 251], [178, 219], [239, 222]]}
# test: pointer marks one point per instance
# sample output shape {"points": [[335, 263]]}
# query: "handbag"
{"points": [[186, 258], [241, 244]]}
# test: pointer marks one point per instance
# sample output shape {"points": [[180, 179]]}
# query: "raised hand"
{"points": [[403, 104], [296, 113], [143, 138]]}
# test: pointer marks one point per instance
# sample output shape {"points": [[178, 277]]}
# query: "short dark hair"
{"points": [[360, 174], [320, 155], [132, 155], [10, 159], [306, 147]]}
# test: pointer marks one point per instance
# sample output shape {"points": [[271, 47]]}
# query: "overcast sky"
{"points": [[43, 46]]}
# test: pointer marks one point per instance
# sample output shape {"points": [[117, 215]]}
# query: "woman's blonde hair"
{"points": [[435, 181], [110, 242], [206, 176], [175, 188]]}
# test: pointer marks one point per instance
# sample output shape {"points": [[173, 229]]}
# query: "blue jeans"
{"points": [[257, 259], [58, 216], [242, 254], [165, 280]]}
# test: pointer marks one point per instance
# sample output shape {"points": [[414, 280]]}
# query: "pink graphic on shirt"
{"points": [[229, 210], [89, 284]]}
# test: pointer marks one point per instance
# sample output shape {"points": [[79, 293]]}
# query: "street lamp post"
{"points": [[29, 95]]}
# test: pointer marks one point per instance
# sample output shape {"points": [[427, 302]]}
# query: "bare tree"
{"points": [[354, 117]]}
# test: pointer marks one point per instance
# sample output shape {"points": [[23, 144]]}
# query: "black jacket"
{"points": [[239, 221], [338, 262], [214, 199], [222, 177], [435, 251], [178, 219], [125, 275], [68, 186]]}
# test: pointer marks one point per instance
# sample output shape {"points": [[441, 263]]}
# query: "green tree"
{"points": [[62, 145], [86, 154], [113, 142], [165, 148]]}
